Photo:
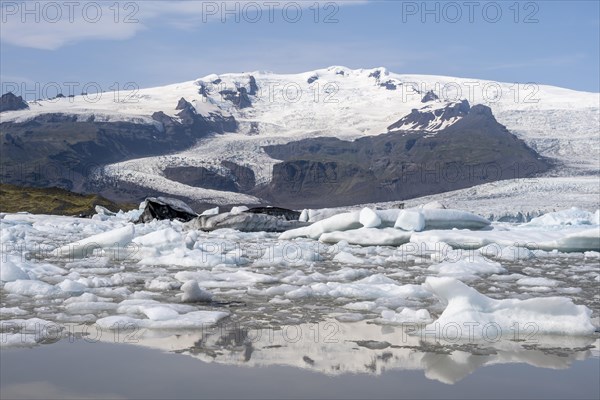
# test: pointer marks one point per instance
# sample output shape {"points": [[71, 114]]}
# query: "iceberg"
{"points": [[117, 239], [471, 315]]}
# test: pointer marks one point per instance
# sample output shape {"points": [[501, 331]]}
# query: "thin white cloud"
{"points": [[51, 25]]}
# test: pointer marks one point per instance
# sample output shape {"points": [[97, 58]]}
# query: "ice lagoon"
{"points": [[378, 293]]}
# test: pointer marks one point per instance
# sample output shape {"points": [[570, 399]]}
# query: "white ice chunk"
{"points": [[240, 278], [72, 287], [410, 220], [211, 211], [368, 237], [339, 222], [347, 258], [118, 238], [188, 258], [361, 306], [160, 239], [86, 307], [303, 216], [159, 313], [507, 253], [564, 240], [466, 268], [11, 311], [31, 288], [538, 281], [494, 318], [405, 316], [237, 210], [10, 272], [572, 216], [193, 293], [369, 218], [580, 241], [369, 288], [449, 219]]}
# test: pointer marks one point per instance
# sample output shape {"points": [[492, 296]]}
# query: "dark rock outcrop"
{"points": [[244, 222], [389, 85], [10, 102], [375, 74], [244, 177], [288, 215], [201, 177], [329, 172], [253, 87], [238, 97], [431, 119], [429, 96], [166, 208], [62, 150]]}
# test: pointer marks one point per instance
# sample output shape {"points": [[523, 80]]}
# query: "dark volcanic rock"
{"points": [[231, 177], [238, 97], [329, 172], [288, 215], [244, 222], [166, 208], [312, 79], [429, 96], [10, 102], [375, 74], [201, 177], [252, 86], [183, 104], [203, 89], [244, 177], [389, 85], [420, 119], [61, 150]]}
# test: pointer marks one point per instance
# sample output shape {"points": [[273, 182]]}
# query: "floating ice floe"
{"points": [[339, 222], [116, 239], [210, 212], [575, 239], [368, 237], [405, 316], [193, 293], [32, 288], [467, 268], [10, 271], [470, 314], [572, 216], [369, 218], [452, 219], [361, 227], [410, 220], [366, 267], [243, 221]]}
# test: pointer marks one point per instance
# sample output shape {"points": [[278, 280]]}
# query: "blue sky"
{"points": [[546, 42]]}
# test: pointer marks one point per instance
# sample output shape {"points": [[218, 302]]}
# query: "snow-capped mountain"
{"points": [[205, 139]]}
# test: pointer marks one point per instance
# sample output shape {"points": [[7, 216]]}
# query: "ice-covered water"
{"points": [[513, 293]]}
